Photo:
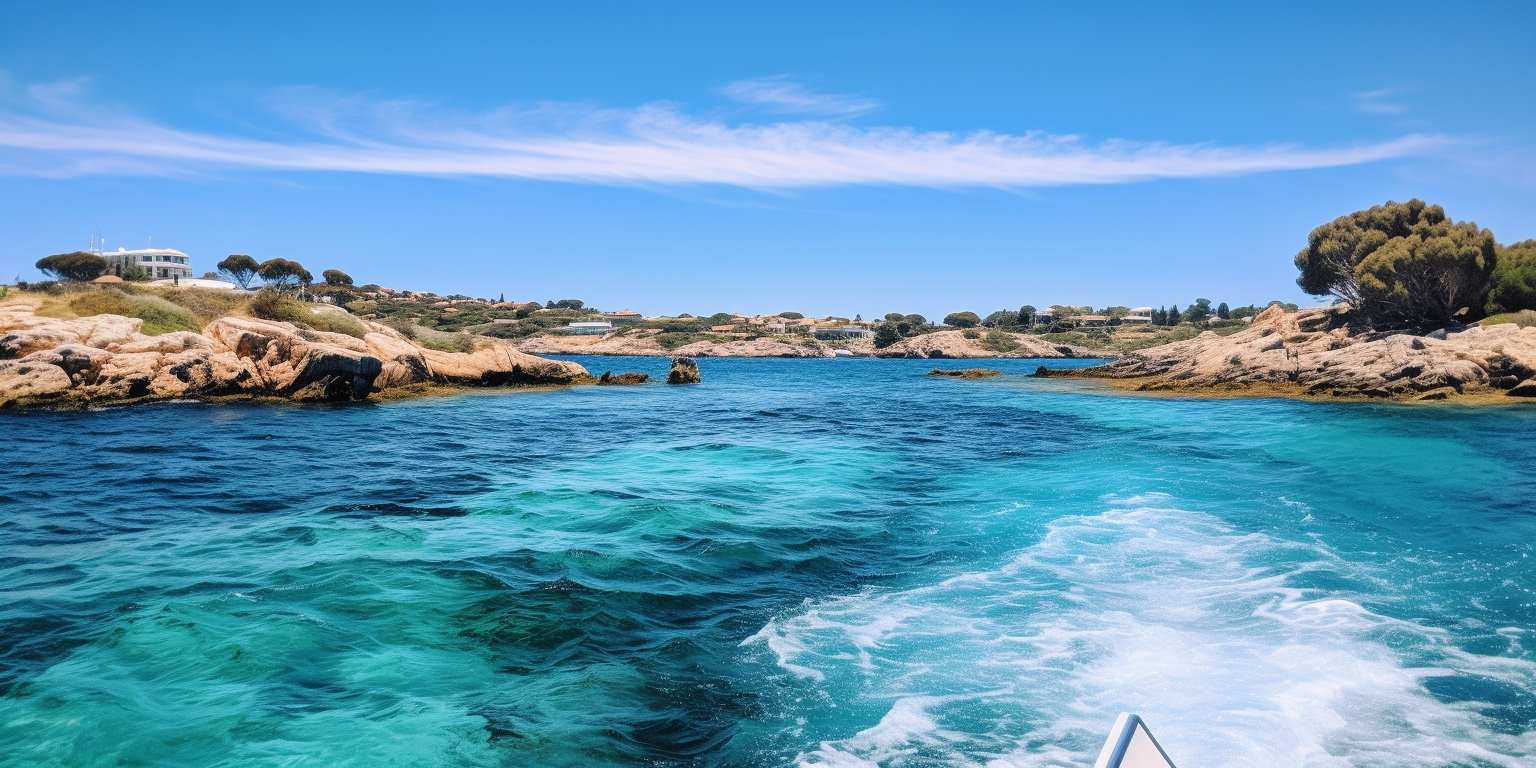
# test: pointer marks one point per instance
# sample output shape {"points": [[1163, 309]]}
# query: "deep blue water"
{"points": [[823, 562]]}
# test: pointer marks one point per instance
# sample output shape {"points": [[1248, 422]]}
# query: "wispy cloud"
{"points": [[1381, 101], [785, 96], [46, 134]]}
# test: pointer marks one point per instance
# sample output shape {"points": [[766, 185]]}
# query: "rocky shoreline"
{"points": [[939, 344], [106, 360], [1315, 354]]}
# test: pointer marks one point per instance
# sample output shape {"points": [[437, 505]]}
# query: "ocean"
{"points": [[799, 562]]}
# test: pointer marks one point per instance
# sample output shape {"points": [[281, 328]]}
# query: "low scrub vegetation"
{"points": [[159, 315], [273, 305]]}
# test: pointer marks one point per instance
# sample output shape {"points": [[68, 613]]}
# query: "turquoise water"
{"points": [[822, 562]]}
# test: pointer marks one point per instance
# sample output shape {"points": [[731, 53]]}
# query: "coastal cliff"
{"points": [[1314, 353], [106, 359]]}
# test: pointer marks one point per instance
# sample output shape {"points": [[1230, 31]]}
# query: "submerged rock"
{"points": [[965, 373], [610, 378], [684, 371]]}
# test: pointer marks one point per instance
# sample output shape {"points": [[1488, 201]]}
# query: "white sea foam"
{"points": [[1173, 614]]}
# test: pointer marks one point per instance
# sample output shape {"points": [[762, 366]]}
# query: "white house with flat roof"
{"points": [[157, 263], [589, 327]]}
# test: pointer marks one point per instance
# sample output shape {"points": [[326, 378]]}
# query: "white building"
{"points": [[1138, 316], [589, 328], [157, 263]]}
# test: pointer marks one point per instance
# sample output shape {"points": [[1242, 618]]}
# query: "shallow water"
{"points": [[823, 562]]}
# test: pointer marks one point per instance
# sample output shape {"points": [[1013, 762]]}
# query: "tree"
{"points": [[1159, 316], [1514, 278], [1223, 311], [791, 315], [1003, 318], [569, 304], [134, 273], [75, 265], [1401, 264], [962, 320], [1198, 311], [915, 320], [283, 274], [886, 335], [892, 317], [1173, 315], [240, 268], [336, 277], [1027, 315]]}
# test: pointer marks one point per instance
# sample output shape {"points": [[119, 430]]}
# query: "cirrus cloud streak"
{"points": [[653, 144]]}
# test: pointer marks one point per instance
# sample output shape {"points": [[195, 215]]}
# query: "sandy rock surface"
{"points": [[106, 359], [1312, 353], [954, 344]]}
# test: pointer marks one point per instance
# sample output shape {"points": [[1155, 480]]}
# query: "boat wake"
{"points": [[1239, 648]]}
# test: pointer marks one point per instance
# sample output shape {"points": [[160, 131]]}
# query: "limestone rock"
{"points": [[104, 359], [1306, 353], [684, 371]]}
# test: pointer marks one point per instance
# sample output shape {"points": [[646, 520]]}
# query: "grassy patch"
{"points": [[446, 342], [1525, 318], [271, 305], [159, 316]]}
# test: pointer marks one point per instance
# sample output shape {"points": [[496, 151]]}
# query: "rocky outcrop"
{"points": [[1315, 353], [965, 373], [684, 371], [609, 378], [955, 344], [105, 359]]}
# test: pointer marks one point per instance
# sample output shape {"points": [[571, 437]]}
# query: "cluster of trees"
{"points": [[897, 326], [279, 274], [1198, 312], [1409, 265]]}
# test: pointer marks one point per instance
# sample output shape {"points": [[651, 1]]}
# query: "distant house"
{"points": [[1045, 316], [623, 316], [589, 328], [167, 263], [1089, 321], [722, 329], [843, 332], [1138, 316]]}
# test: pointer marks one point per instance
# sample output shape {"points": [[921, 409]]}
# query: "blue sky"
{"points": [[666, 157]]}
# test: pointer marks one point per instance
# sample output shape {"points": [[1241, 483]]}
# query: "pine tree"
{"points": [[1173, 315]]}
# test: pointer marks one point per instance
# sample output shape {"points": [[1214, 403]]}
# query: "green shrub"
{"points": [[269, 304], [159, 316], [1514, 278], [962, 320], [999, 341]]}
